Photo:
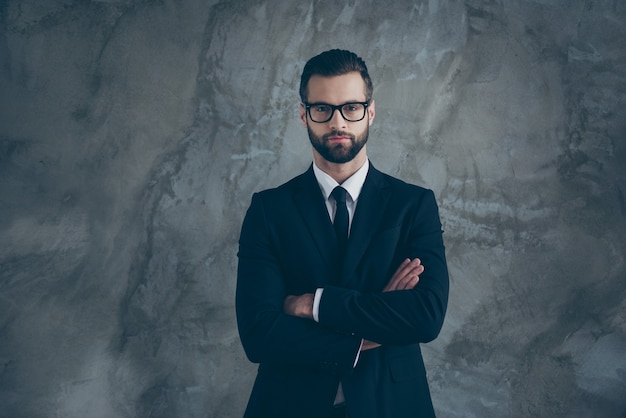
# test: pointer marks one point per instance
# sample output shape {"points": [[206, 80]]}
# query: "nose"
{"points": [[337, 121]]}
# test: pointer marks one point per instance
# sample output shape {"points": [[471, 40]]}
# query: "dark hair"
{"points": [[332, 63]]}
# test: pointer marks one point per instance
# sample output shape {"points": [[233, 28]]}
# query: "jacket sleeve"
{"points": [[404, 316], [268, 334]]}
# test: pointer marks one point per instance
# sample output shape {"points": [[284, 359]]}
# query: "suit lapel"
{"points": [[310, 202], [368, 216]]}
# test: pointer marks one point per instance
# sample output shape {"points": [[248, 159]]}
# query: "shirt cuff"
{"points": [[316, 304], [358, 354]]}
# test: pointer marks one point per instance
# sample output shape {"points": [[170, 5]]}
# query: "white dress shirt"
{"points": [[353, 186]]}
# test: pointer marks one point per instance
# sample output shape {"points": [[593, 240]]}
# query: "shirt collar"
{"points": [[353, 184]]}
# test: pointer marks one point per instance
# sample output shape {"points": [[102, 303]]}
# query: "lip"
{"points": [[338, 138]]}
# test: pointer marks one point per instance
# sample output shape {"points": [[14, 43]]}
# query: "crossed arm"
{"points": [[406, 277], [277, 328]]}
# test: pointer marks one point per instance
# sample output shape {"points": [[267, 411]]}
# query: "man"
{"points": [[336, 289]]}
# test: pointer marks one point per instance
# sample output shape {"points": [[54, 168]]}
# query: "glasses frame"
{"points": [[337, 107]]}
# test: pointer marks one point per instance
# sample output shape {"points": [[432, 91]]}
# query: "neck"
{"points": [[340, 172]]}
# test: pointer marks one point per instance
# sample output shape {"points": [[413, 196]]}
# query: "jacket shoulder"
{"points": [[286, 188], [399, 186]]}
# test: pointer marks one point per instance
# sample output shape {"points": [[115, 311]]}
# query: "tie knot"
{"points": [[339, 193]]}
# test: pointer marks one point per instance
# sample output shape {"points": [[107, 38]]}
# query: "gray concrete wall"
{"points": [[133, 133]]}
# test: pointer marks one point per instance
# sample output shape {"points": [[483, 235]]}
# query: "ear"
{"points": [[303, 114], [371, 109]]}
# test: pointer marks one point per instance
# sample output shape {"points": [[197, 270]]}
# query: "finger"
{"points": [[400, 283], [414, 267], [404, 275], [392, 285], [399, 274], [405, 268], [368, 345], [411, 279], [405, 264], [408, 282]]}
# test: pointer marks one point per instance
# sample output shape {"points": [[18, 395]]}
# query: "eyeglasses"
{"points": [[323, 112]]}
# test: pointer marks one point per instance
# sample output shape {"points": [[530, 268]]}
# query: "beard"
{"points": [[338, 153]]}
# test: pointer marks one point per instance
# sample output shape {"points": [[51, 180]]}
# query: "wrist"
{"points": [[300, 306], [306, 306]]}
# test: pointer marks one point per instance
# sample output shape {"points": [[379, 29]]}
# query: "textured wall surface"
{"points": [[133, 133]]}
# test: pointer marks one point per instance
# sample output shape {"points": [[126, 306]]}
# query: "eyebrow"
{"points": [[348, 102]]}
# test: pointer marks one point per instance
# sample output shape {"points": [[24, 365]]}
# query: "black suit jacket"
{"points": [[288, 247]]}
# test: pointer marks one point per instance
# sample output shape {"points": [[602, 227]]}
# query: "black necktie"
{"points": [[341, 216]]}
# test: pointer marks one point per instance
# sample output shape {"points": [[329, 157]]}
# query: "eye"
{"points": [[321, 108], [351, 107]]}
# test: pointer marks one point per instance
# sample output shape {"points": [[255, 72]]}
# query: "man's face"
{"points": [[337, 140]]}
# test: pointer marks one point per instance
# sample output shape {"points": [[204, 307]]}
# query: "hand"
{"points": [[300, 306], [368, 345], [407, 275]]}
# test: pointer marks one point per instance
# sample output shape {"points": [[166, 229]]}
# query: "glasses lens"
{"points": [[320, 112], [353, 112]]}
